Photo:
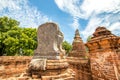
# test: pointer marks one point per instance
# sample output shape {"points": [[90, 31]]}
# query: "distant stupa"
{"points": [[78, 47]]}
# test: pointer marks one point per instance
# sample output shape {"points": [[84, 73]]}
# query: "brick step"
{"points": [[64, 76], [67, 78]]}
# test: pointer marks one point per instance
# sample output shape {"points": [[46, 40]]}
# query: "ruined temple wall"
{"points": [[103, 53], [103, 66], [11, 66], [81, 68]]}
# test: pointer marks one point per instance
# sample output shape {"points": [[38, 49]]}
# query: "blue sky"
{"points": [[85, 15]]}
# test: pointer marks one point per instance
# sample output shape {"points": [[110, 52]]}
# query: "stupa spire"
{"points": [[78, 47], [77, 37]]}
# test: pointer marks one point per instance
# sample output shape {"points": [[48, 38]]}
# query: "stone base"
{"points": [[66, 75], [55, 70]]}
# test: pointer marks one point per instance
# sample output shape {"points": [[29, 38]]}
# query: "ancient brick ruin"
{"points": [[103, 62], [13, 66], [78, 47], [103, 48]]}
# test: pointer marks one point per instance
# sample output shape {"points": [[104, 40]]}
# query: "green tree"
{"points": [[67, 46], [15, 40], [28, 41], [6, 24]]}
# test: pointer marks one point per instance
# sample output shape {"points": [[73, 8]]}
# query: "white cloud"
{"points": [[75, 23], [91, 26], [27, 15], [8, 4], [70, 6], [97, 12], [100, 6], [86, 8], [115, 26]]}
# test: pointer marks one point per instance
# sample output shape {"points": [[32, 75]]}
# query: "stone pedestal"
{"points": [[55, 70]]}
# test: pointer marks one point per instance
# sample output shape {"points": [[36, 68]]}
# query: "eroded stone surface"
{"points": [[49, 42]]}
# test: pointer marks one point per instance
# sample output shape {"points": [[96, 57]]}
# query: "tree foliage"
{"points": [[7, 24], [15, 40], [67, 46]]}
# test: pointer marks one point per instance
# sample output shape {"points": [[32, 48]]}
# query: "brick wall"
{"points": [[81, 68], [13, 65]]}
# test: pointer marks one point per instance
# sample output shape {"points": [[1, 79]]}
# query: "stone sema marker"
{"points": [[47, 62], [49, 42]]}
